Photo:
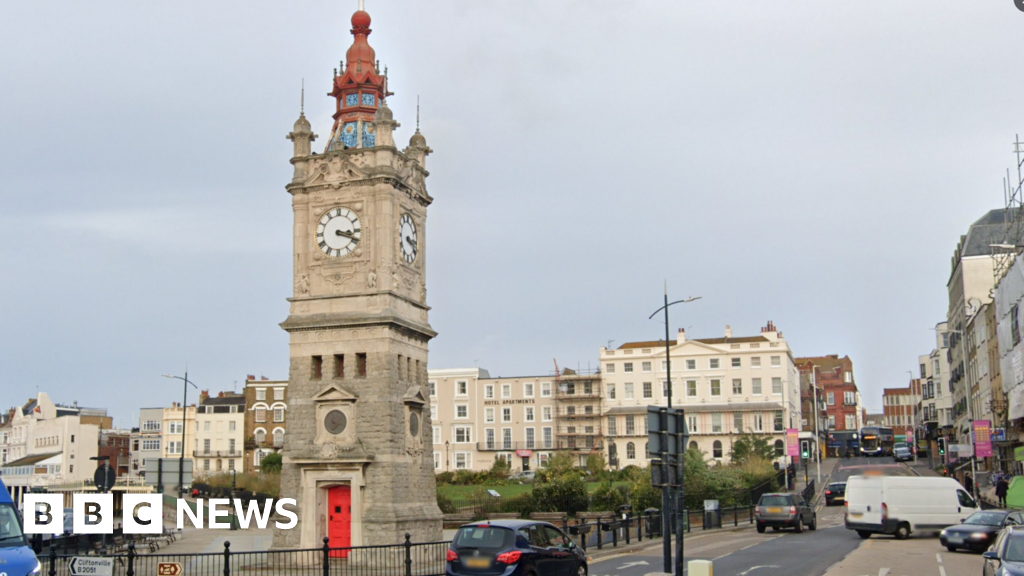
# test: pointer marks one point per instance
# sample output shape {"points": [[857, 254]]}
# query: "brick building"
{"points": [[900, 406], [266, 417], [842, 399]]}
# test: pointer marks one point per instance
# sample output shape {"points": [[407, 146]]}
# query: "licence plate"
{"points": [[954, 539], [774, 510], [856, 514], [478, 563]]}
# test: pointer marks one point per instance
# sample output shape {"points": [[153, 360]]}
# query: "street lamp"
{"points": [[184, 412], [446, 467]]}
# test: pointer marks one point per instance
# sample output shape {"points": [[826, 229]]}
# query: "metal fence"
{"points": [[408, 559]]}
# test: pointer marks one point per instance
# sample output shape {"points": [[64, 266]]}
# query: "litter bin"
{"points": [[626, 511], [653, 519], [712, 514]]}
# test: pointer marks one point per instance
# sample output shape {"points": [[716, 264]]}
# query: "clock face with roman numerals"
{"points": [[407, 238], [338, 232]]}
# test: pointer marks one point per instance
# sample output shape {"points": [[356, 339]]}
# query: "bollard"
{"points": [[736, 515], [639, 528], [53, 560], [227, 558], [408, 554], [327, 556], [700, 568], [131, 559]]}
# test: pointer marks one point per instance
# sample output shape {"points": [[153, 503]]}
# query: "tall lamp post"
{"points": [[666, 498], [184, 412]]}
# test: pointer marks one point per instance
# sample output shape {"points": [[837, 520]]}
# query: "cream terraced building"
{"points": [[727, 386], [478, 419]]}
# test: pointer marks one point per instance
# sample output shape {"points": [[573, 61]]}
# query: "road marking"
{"points": [[631, 564], [883, 571], [942, 571], [749, 570], [938, 558]]}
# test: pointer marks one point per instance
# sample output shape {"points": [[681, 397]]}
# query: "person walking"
{"points": [[1002, 486], [969, 483]]}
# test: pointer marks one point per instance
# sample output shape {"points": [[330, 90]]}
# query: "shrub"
{"points": [[643, 495], [445, 478], [523, 504], [607, 497], [445, 504], [566, 494], [271, 463]]}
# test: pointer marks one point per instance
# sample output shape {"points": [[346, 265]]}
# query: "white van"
{"points": [[901, 505]]}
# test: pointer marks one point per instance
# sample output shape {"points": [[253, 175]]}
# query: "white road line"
{"points": [[883, 571], [942, 571], [938, 558]]}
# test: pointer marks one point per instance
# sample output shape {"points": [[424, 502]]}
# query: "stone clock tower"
{"points": [[358, 455]]}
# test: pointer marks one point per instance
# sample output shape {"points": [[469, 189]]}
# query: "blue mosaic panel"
{"points": [[369, 99], [349, 134], [369, 135], [351, 99]]}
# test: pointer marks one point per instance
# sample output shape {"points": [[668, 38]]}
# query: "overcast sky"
{"points": [[810, 163]]}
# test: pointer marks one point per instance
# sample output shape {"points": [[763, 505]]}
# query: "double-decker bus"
{"points": [[876, 441], [844, 443]]}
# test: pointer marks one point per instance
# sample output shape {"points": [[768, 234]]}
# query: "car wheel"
{"points": [[902, 531], [582, 570], [951, 548], [799, 525], [864, 534], [760, 529], [814, 522]]}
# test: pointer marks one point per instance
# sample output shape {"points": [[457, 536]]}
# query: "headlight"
{"points": [[943, 533], [979, 535], [37, 569]]}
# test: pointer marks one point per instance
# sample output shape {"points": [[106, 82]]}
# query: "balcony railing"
{"points": [[216, 454], [500, 446]]}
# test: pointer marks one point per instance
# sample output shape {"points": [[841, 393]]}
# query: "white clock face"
{"points": [[407, 238], [338, 232]]}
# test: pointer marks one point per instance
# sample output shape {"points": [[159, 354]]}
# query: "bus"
{"points": [[876, 441], [843, 443]]}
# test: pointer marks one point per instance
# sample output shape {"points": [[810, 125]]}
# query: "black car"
{"points": [[1006, 558], [979, 530], [784, 511], [835, 492], [514, 548]]}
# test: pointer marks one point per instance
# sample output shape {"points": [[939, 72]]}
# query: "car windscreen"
{"points": [[1014, 549], [837, 486], [10, 527], [489, 539], [775, 501], [986, 518]]}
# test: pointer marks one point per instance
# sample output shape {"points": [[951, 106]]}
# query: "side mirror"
{"points": [[962, 520], [990, 555]]}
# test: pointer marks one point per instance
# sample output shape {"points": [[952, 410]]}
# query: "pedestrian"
{"points": [[1002, 486], [969, 483]]}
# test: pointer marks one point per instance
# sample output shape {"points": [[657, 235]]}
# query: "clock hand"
{"points": [[348, 235], [410, 240]]}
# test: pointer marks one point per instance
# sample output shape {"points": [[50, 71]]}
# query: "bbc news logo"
{"points": [[93, 513]]}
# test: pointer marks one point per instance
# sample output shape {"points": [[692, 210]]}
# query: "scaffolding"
{"points": [[1004, 253], [578, 419]]}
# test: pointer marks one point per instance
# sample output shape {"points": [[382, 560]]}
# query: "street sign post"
{"points": [[91, 566], [666, 438]]}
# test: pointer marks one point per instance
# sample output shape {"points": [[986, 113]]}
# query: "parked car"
{"points": [[527, 475], [902, 454], [835, 492], [514, 548], [979, 530], [901, 505], [16, 556], [1006, 557], [784, 511]]}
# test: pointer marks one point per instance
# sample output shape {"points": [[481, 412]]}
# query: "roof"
{"points": [[987, 230], [224, 401], [661, 343], [830, 362], [33, 459]]}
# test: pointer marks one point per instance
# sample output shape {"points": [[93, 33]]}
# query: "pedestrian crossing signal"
{"points": [[805, 449], [942, 446]]}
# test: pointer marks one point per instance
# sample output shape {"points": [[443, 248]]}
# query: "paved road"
{"points": [[747, 553]]}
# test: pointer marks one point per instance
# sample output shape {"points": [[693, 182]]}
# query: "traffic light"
{"points": [[805, 449], [942, 446]]}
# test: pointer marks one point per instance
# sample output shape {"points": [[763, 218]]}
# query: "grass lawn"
{"points": [[464, 492]]}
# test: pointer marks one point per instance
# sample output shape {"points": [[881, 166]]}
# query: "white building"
{"points": [[727, 386], [220, 436], [147, 443]]}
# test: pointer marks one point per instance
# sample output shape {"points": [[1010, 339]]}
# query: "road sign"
{"points": [[91, 566], [169, 569], [104, 477]]}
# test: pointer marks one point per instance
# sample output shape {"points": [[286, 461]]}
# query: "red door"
{"points": [[339, 519]]}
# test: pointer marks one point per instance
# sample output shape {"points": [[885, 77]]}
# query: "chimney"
{"points": [[250, 377], [220, 394], [728, 331], [203, 396], [682, 336]]}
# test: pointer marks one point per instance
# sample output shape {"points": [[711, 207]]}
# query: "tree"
{"points": [[560, 465], [596, 464], [500, 469], [271, 463], [750, 446]]}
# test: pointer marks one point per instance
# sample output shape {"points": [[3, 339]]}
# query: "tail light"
{"points": [[792, 509], [510, 557], [757, 510], [828, 491], [885, 511], [452, 556]]}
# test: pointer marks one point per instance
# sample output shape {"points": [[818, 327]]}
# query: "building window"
{"points": [[628, 386], [278, 414], [776, 361], [849, 398], [489, 391], [463, 435], [832, 421], [691, 388], [261, 393], [645, 366], [506, 438], [716, 423], [737, 386], [174, 447], [433, 389], [755, 386], [433, 412], [630, 425], [847, 376], [206, 425], [530, 439], [488, 415], [174, 427], [737, 422], [716, 387], [437, 434], [463, 460], [489, 438], [506, 414], [611, 391], [611, 426], [506, 390], [758, 422], [776, 385], [713, 363], [737, 362], [716, 449], [630, 451], [627, 367], [339, 365], [461, 411], [779, 447], [461, 388], [648, 390], [831, 398], [778, 421], [528, 390], [529, 414], [691, 364], [232, 426], [609, 368], [361, 364], [755, 361], [437, 460], [318, 368], [150, 444], [851, 422], [545, 413], [549, 441], [545, 389]]}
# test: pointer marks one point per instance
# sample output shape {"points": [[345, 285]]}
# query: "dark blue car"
{"points": [[514, 548]]}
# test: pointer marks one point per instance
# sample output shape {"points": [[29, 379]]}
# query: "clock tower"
{"points": [[358, 456]]}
